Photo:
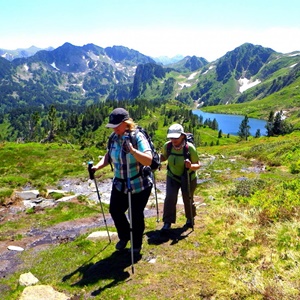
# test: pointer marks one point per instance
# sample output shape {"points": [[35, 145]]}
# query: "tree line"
{"points": [[84, 125], [276, 125]]}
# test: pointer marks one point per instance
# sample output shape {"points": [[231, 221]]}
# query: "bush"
{"points": [[246, 187], [295, 168]]}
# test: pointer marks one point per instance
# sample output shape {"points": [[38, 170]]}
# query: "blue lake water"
{"points": [[231, 123]]}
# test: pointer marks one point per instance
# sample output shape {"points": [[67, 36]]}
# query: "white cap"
{"points": [[175, 131]]}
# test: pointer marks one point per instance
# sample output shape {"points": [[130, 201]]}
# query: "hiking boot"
{"points": [[166, 226], [121, 244], [189, 223]]}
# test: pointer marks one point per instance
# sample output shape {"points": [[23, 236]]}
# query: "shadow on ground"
{"points": [[174, 235], [112, 267]]}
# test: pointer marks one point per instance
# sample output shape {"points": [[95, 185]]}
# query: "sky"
{"points": [[205, 28]]}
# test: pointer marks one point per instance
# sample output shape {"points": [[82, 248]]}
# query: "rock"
{"points": [[26, 195], [67, 198], [38, 200], [15, 248], [27, 279], [96, 235], [42, 292], [152, 261]]}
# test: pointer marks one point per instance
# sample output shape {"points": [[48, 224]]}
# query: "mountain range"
{"points": [[88, 74]]}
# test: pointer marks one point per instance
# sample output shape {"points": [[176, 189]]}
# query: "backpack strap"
{"points": [[109, 145], [133, 141], [132, 137], [169, 148], [186, 152]]}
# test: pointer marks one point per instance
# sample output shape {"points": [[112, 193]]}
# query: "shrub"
{"points": [[295, 167], [246, 187]]}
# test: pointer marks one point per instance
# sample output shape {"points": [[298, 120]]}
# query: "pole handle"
{"points": [[91, 171]]}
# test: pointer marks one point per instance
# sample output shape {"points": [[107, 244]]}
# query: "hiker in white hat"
{"points": [[183, 161]]}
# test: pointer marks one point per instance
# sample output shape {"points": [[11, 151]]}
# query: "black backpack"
{"points": [[155, 164]]}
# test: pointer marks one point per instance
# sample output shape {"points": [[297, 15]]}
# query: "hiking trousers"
{"points": [[119, 205], [173, 186]]}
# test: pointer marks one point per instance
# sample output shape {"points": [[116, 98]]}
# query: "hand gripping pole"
{"points": [[92, 176]]}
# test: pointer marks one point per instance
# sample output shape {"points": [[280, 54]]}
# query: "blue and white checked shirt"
{"points": [[118, 158]]}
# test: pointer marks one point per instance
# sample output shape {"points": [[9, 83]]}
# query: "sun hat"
{"points": [[175, 131], [117, 116]]}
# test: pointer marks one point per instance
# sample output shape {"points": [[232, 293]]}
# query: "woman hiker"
{"points": [[121, 150], [183, 161]]}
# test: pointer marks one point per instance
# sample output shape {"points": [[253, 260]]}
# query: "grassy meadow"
{"points": [[245, 244]]}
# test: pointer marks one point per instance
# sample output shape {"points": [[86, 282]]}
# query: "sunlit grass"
{"points": [[245, 244]]}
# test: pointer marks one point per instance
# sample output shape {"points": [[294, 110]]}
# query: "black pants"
{"points": [[118, 207]]}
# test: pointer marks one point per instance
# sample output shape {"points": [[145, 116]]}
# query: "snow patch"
{"points": [[283, 114], [26, 67], [192, 76], [295, 54], [208, 70], [54, 66], [184, 84], [246, 84]]}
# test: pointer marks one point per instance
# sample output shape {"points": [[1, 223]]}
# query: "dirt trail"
{"points": [[60, 233]]}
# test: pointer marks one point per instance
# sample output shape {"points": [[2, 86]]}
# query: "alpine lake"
{"points": [[230, 124]]}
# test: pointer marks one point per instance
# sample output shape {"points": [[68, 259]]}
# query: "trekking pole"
{"points": [[130, 209], [92, 176], [155, 191], [190, 196]]}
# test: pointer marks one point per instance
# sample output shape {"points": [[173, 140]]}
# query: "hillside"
{"points": [[68, 85], [245, 243], [87, 74]]}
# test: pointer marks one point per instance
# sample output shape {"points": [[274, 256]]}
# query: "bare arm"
{"points": [[144, 158], [102, 163], [192, 167]]}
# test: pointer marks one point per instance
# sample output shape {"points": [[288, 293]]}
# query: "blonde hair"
{"points": [[130, 124]]}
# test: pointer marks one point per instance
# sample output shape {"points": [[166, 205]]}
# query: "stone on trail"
{"points": [[26, 195], [98, 235], [27, 279], [15, 248], [42, 292]]}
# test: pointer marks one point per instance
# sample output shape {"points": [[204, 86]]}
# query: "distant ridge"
{"points": [[21, 52], [90, 73], [165, 60]]}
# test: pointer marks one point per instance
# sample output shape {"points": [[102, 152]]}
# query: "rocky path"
{"points": [[66, 231], [63, 232]]}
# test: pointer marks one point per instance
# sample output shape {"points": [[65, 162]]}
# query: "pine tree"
{"points": [[257, 134], [244, 131]]}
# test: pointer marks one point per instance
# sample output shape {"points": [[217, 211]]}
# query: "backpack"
{"points": [[155, 164], [189, 137]]}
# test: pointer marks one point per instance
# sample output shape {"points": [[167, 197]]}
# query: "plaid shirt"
{"points": [[119, 159]]}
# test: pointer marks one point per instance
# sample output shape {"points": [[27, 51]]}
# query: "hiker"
{"points": [[140, 184], [182, 161]]}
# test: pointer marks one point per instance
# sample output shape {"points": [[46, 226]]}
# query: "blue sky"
{"points": [[205, 28]]}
